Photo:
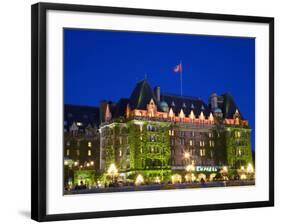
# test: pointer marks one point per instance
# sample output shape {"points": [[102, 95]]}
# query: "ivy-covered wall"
{"points": [[149, 145], [139, 145], [238, 147]]}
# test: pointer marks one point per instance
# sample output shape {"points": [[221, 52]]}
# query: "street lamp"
{"points": [[139, 180], [224, 172], [190, 168], [187, 155], [112, 171], [250, 168]]}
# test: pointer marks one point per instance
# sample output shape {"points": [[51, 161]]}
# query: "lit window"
{"points": [[202, 152], [120, 140], [238, 134], [77, 152], [68, 143], [210, 135], [120, 152], [190, 142], [89, 152], [89, 144], [239, 152], [67, 152], [211, 143]]}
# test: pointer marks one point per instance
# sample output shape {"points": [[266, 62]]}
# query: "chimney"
{"points": [[213, 100], [157, 93]]}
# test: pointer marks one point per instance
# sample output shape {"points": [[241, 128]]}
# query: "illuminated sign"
{"points": [[206, 168]]}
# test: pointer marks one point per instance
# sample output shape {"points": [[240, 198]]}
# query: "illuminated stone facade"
{"points": [[156, 135], [162, 132]]}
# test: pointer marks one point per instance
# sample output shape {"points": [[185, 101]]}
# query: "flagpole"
{"points": [[181, 75]]}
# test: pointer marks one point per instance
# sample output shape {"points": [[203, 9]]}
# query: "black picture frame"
{"points": [[38, 108]]}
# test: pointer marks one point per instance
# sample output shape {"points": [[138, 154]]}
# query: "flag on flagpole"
{"points": [[178, 68]]}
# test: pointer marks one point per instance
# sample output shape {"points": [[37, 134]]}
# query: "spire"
{"points": [[108, 115], [171, 113], [128, 111], [202, 117], [151, 108], [192, 106], [211, 117], [182, 115], [191, 115]]}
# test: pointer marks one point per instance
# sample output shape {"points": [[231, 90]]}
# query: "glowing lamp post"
{"points": [[112, 171], [186, 155], [139, 180], [250, 170], [190, 169], [224, 172]]}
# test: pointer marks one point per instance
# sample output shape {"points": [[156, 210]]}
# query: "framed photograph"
{"points": [[139, 111]]}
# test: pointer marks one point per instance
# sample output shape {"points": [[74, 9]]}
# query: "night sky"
{"points": [[105, 65]]}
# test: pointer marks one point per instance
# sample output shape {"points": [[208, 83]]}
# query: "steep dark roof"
{"points": [[186, 103], [84, 114], [141, 95], [228, 106]]}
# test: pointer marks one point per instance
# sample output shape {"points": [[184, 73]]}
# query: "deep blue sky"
{"points": [[107, 64]]}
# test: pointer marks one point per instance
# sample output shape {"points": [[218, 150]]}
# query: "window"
{"points": [[89, 144], [202, 152], [79, 124], [238, 134], [68, 143], [190, 142], [212, 143], [78, 152], [181, 141], [67, 152], [239, 152], [89, 152], [212, 153], [120, 152], [210, 134], [120, 140]]}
